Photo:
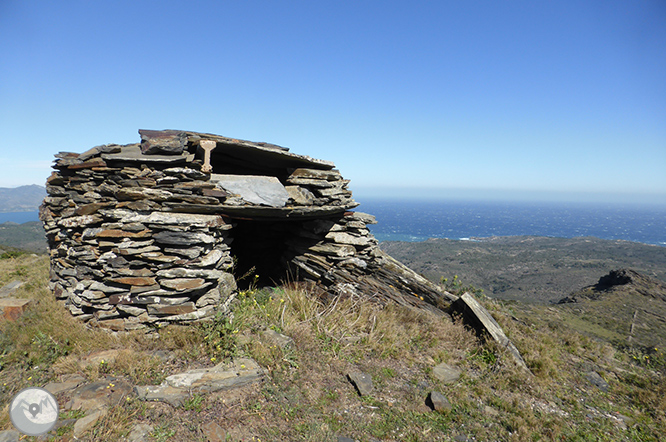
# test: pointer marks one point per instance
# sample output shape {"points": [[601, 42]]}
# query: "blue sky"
{"points": [[442, 98]]}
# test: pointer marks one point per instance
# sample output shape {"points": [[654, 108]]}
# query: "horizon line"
{"points": [[435, 193]]}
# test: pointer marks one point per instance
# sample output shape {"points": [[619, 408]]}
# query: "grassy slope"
{"points": [[529, 269], [306, 395], [631, 314]]}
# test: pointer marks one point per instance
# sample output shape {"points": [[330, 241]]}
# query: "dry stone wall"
{"points": [[118, 259], [139, 234]]}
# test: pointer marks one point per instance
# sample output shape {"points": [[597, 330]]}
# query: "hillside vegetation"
{"points": [[27, 236], [581, 389], [527, 268], [624, 307]]}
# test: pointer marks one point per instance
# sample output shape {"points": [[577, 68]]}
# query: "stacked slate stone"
{"points": [[326, 247], [118, 260], [154, 232]]}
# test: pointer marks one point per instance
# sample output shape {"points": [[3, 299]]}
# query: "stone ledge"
{"points": [[477, 317]]}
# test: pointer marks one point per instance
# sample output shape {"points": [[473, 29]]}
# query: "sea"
{"points": [[19, 217], [403, 220], [419, 220]]}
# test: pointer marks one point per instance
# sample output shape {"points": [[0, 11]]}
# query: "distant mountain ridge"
{"points": [[21, 199]]}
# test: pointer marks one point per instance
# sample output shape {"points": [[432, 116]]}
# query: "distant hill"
{"points": [[620, 281], [27, 236], [21, 199], [527, 268], [624, 307]]}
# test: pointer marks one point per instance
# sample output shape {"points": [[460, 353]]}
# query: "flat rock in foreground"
{"points": [[480, 319], [178, 387]]}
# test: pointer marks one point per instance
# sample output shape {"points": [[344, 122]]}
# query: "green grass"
{"points": [[306, 395]]}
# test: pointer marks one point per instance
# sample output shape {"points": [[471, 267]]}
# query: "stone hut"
{"points": [[159, 231]]}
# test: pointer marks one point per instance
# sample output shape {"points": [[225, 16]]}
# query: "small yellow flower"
{"points": [[30, 378], [242, 365], [213, 359]]}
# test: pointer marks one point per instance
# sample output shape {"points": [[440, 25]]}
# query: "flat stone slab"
{"points": [[595, 379], [8, 289], [132, 153], [162, 393], [11, 309], [263, 211], [86, 423], [69, 384], [438, 402], [261, 190], [168, 218], [103, 393], [346, 238], [176, 388], [476, 316], [259, 152], [167, 142], [168, 238], [362, 382], [213, 432], [446, 373]]}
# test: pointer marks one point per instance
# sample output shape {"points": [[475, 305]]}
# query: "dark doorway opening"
{"points": [[262, 250]]}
